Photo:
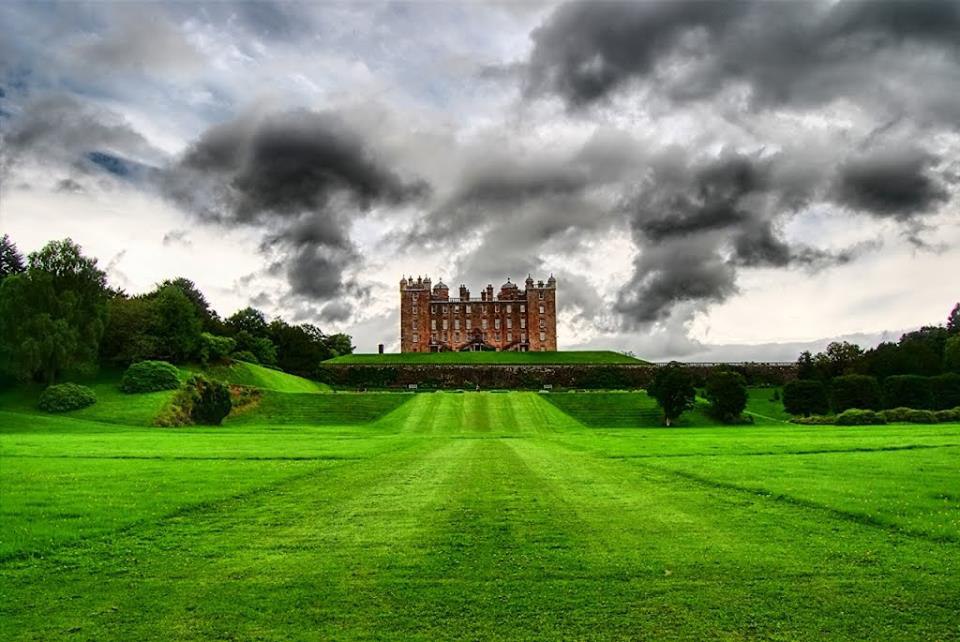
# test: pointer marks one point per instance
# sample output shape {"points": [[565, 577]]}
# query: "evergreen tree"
{"points": [[11, 261]]}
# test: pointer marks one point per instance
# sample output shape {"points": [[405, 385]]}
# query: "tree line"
{"points": [[58, 315], [920, 371]]}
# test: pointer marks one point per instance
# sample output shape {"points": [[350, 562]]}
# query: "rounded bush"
{"points": [[947, 416], [66, 396], [921, 417], [858, 417], [897, 414], [150, 376]]}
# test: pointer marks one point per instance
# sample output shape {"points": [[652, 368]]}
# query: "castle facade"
{"points": [[513, 319]]}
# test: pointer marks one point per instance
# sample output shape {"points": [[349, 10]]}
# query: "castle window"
{"points": [[433, 337], [523, 308], [468, 324], [457, 335], [446, 309], [523, 323], [509, 336], [543, 336], [496, 308], [484, 309], [542, 309], [496, 323], [541, 294], [509, 308], [466, 308], [416, 338], [509, 322], [483, 324], [498, 336], [456, 309], [433, 324], [543, 323], [433, 309], [456, 324], [445, 324]]}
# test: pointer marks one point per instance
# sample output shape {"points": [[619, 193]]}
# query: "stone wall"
{"points": [[527, 377]]}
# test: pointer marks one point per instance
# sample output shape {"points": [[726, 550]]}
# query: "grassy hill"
{"points": [[487, 358], [250, 374]]}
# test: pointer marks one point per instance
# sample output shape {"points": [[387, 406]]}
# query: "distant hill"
{"points": [[487, 358]]}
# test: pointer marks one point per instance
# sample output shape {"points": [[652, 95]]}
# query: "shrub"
{"points": [[911, 391], [855, 391], [805, 397], [245, 355], [150, 376], [896, 414], [200, 401], [945, 390], [921, 417], [815, 420], [66, 396], [727, 393], [858, 417], [211, 400], [214, 348], [947, 416]]}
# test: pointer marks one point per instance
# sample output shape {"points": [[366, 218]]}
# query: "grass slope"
{"points": [[477, 515], [250, 374], [487, 358]]}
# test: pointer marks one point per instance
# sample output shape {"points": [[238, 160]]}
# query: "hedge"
{"points": [[805, 397], [945, 389], [150, 376], [911, 391], [858, 417], [66, 396], [854, 391]]}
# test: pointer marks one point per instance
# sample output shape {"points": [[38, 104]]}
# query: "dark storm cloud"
{"points": [[892, 182], [803, 53], [696, 221], [304, 177]]}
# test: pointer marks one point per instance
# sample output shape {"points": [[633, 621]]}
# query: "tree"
{"points": [[840, 358], [208, 317], [805, 366], [953, 321], [727, 393], [52, 316], [11, 261], [946, 391], [300, 348], [175, 324], [339, 345], [855, 391], [250, 320], [128, 336], [672, 387], [951, 354], [805, 397]]}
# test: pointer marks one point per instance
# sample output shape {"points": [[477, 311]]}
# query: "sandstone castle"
{"points": [[514, 319]]}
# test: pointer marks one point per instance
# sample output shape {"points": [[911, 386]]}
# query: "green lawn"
{"points": [[478, 516], [487, 358]]}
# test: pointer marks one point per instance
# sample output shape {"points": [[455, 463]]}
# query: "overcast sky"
{"points": [[707, 180]]}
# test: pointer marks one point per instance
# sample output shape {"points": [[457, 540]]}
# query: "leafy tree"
{"points": [[208, 317], [176, 324], [672, 387], [214, 348], [727, 393], [840, 358], [855, 391], [339, 345], [923, 349], [52, 316], [805, 366], [11, 261], [910, 391], [261, 347], [250, 320], [951, 354], [300, 348], [953, 321], [128, 336], [805, 397]]}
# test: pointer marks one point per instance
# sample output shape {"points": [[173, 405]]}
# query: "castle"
{"points": [[514, 319]]}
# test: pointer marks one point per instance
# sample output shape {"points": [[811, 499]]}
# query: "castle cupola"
{"points": [[551, 282], [529, 281], [441, 291]]}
